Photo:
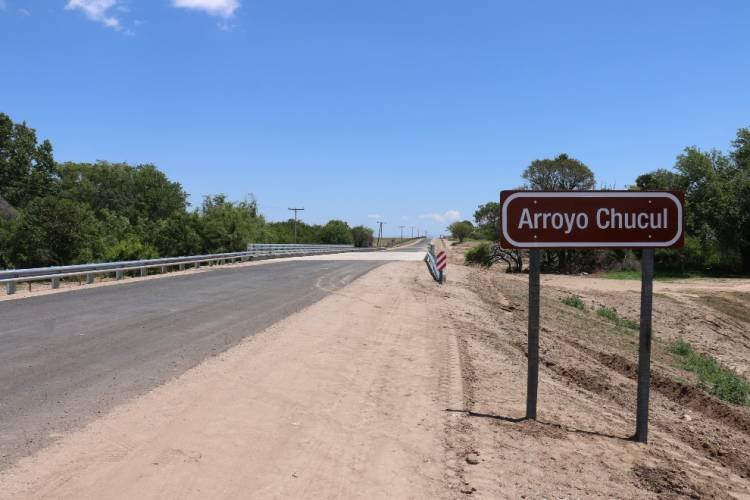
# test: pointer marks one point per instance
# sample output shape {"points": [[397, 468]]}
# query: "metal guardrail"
{"points": [[431, 263], [11, 277]]}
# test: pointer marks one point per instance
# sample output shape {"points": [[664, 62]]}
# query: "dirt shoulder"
{"points": [[699, 446], [345, 399]]}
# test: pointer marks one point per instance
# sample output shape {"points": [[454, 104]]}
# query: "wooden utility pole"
{"points": [[295, 210], [380, 232], [402, 232]]}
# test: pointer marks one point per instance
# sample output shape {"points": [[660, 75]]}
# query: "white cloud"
{"points": [[3, 5], [448, 216], [222, 8], [97, 10], [24, 12]]}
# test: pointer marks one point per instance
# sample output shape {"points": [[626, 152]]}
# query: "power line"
{"points": [[295, 221]]}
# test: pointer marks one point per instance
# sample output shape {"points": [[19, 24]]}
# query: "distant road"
{"points": [[68, 357]]}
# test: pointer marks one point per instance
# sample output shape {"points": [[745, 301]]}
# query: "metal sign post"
{"points": [[532, 382], [644, 346], [593, 219]]}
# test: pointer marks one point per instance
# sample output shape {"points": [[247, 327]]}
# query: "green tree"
{"points": [[7, 212], [336, 232], [740, 186], [560, 174], [660, 180], [54, 231], [280, 232], [140, 192], [129, 248], [227, 226], [717, 198], [487, 218], [6, 229], [362, 236], [177, 236], [27, 169], [461, 230]]}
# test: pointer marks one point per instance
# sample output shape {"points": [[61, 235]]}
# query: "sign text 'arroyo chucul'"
{"points": [[591, 219]]}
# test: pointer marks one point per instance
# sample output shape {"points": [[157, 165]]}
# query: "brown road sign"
{"points": [[592, 219]]}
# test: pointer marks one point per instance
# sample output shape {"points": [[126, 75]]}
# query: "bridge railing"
{"points": [[255, 251]]}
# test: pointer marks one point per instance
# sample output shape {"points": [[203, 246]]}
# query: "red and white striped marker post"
{"points": [[441, 262]]}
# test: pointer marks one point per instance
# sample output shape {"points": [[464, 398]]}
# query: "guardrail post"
{"points": [[181, 267], [55, 283], [118, 275], [144, 272], [90, 278], [197, 265], [163, 269], [10, 287]]}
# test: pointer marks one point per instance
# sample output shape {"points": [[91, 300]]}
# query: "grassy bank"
{"points": [[715, 378]]}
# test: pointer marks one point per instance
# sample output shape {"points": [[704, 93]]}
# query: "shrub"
{"points": [[336, 232], [682, 348], [574, 301], [130, 248], [362, 236], [480, 254], [607, 313], [611, 314], [722, 382], [52, 232], [461, 230]]}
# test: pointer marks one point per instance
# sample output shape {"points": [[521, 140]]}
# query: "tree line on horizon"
{"points": [[717, 214], [70, 213]]}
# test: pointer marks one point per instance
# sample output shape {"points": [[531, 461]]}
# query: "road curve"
{"points": [[66, 358]]}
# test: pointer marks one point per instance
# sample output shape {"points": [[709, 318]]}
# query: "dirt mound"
{"points": [[668, 483]]}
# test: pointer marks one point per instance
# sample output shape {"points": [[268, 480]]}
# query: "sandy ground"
{"points": [[699, 446], [342, 400], [691, 285]]}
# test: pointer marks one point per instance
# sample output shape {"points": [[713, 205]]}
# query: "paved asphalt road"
{"points": [[66, 358]]}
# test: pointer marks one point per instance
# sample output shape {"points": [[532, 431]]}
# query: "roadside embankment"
{"points": [[699, 444]]}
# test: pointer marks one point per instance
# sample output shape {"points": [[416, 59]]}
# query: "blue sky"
{"points": [[408, 111]]}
